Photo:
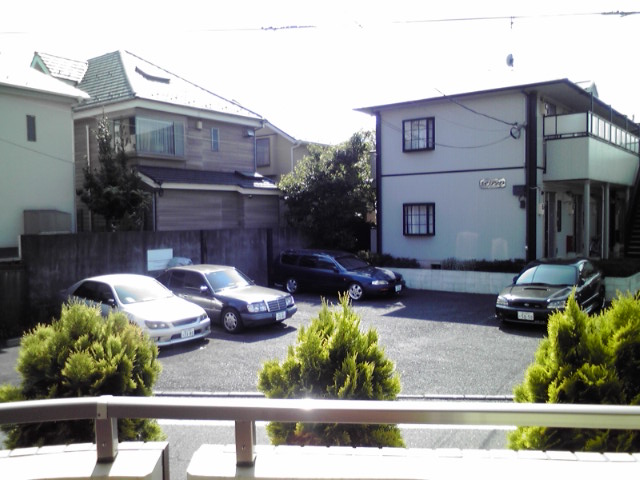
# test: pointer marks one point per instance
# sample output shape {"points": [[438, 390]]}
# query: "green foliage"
{"points": [[114, 190], [386, 260], [585, 360], [82, 355], [330, 192], [333, 359]]}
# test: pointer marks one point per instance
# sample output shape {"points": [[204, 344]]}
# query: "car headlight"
{"points": [[203, 317], [156, 325], [257, 307], [502, 301], [557, 305], [379, 282], [288, 300]]}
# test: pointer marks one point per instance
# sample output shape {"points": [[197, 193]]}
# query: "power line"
{"points": [[517, 17]]}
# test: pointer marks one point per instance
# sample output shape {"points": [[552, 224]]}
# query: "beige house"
{"points": [[277, 152], [195, 150], [36, 154]]}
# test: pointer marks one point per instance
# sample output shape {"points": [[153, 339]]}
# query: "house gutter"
{"points": [[378, 182], [531, 176]]}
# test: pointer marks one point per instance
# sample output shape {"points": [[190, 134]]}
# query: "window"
{"points": [[419, 219], [31, 128], [419, 134], [262, 152], [159, 136], [215, 140]]}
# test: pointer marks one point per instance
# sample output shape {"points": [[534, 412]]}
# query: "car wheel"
{"points": [[231, 321], [355, 291], [291, 285]]}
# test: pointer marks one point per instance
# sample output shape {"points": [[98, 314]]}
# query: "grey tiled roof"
{"points": [[63, 68], [162, 175], [121, 75]]}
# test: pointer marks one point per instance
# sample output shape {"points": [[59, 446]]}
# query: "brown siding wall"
{"points": [[183, 210]]}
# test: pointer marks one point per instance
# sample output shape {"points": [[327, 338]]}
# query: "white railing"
{"points": [[588, 123], [105, 410]]}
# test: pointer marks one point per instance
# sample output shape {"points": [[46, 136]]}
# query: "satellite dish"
{"points": [[510, 60]]}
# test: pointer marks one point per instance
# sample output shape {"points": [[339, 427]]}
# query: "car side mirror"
{"points": [[111, 302], [204, 290]]}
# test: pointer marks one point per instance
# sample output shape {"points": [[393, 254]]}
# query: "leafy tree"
{"points": [[333, 359], [82, 355], [585, 360], [114, 190], [330, 192]]}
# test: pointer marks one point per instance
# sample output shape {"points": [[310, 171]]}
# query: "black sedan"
{"points": [[544, 286], [228, 295], [328, 270]]}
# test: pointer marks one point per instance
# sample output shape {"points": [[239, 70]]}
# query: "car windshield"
{"points": [[556, 275], [351, 262], [230, 278], [141, 291]]}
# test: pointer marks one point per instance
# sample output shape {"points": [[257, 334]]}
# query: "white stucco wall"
{"points": [[35, 175], [470, 221]]}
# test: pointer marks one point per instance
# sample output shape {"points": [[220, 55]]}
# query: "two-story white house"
{"points": [[36, 156], [520, 172]]}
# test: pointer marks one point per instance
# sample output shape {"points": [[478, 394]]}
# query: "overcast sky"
{"points": [[305, 65]]}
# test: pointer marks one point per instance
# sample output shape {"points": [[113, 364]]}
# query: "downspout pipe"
{"points": [[379, 183], [531, 176]]}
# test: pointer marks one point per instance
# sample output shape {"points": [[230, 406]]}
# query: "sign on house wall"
{"points": [[490, 183]]}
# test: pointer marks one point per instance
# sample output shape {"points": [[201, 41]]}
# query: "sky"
{"points": [[305, 65]]}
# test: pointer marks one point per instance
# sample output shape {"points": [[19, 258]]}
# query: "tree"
{"points": [[114, 190], [585, 360], [330, 192], [333, 359], [83, 355]]}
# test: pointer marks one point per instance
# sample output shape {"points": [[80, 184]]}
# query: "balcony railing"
{"points": [[588, 123], [245, 413]]}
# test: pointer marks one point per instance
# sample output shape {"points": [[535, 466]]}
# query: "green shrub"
{"points": [[585, 360], [82, 355], [333, 359], [386, 260]]}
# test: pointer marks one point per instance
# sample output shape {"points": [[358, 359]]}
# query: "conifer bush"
{"points": [[82, 355], [585, 360], [333, 359]]}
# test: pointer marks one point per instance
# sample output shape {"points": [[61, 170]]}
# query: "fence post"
{"points": [[245, 443], [106, 432]]}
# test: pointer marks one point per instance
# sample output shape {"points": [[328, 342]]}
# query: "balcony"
{"points": [[108, 459], [582, 146]]}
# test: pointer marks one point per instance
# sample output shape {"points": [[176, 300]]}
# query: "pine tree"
{"points": [[333, 359], [114, 190]]}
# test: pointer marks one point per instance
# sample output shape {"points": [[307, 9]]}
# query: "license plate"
{"points": [[281, 315], [398, 287], [189, 332], [525, 315]]}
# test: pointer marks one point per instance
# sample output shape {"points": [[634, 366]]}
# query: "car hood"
{"points": [[168, 309], [251, 294], [377, 272], [537, 292]]}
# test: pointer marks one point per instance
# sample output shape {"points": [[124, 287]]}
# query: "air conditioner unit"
{"points": [[199, 124]]}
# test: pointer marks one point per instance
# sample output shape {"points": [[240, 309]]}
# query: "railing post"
{"points": [[245, 442], [106, 432]]}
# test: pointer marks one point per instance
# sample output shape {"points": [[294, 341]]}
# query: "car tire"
{"points": [[291, 285], [231, 321], [355, 291]]}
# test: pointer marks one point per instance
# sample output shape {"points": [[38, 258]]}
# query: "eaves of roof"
{"points": [[570, 93], [179, 178], [29, 79]]}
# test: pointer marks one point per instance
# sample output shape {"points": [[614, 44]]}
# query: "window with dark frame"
{"points": [[419, 219], [419, 134], [215, 140], [262, 152], [31, 128]]}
